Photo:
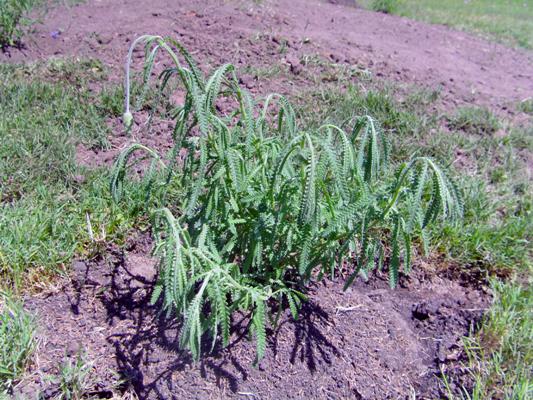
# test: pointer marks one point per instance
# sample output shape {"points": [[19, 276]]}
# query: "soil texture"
{"points": [[369, 342]]}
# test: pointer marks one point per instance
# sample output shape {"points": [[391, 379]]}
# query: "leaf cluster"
{"points": [[264, 206]]}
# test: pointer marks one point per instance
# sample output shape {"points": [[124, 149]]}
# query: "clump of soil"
{"points": [[369, 342]]}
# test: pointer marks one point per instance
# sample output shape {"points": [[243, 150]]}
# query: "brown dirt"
{"points": [[369, 342], [465, 69], [468, 68]]}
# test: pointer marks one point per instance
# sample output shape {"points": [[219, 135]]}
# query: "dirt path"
{"points": [[468, 69]]}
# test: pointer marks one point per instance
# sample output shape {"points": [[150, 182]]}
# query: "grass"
{"points": [[74, 379], [507, 21], [384, 6], [474, 120], [46, 198], [44, 194], [526, 106], [17, 340], [500, 357]]}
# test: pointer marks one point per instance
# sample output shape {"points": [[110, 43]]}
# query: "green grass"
{"points": [[507, 21], [17, 340], [384, 6], [476, 120], [500, 356], [47, 201], [526, 106], [74, 379], [44, 194]]}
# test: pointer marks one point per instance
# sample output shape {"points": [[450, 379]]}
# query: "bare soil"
{"points": [[369, 342], [467, 68]]}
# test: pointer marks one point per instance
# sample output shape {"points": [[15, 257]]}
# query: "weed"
{"points": [[17, 340], [74, 378], [265, 206]]}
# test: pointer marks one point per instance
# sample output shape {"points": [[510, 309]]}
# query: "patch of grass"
{"points": [[44, 194], [526, 106], [17, 340], [274, 70], [403, 116], [507, 21], [74, 380], [501, 355], [384, 6], [474, 120]]}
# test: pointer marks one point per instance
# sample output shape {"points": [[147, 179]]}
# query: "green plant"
{"points": [[17, 340], [74, 378], [13, 16], [500, 355], [385, 6], [264, 207], [526, 106]]}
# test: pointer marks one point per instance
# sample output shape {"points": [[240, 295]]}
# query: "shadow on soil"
{"points": [[398, 340]]}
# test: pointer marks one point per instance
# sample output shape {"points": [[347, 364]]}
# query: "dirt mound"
{"points": [[369, 342], [468, 69], [258, 38]]}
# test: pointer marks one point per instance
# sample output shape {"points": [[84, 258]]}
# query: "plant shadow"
{"points": [[146, 347]]}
